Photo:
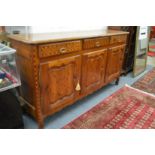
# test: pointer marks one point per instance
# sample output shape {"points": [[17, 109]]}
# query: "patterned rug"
{"points": [[147, 82], [127, 108], [151, 54]]}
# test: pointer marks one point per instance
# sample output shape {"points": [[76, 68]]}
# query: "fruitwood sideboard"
{"points": [[58, 69]]}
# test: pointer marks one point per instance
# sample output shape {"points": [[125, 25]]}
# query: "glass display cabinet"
{"points": [[9, 75]]}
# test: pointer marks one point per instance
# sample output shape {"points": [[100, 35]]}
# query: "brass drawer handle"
{"points": [[97, 44], [62, 50]]}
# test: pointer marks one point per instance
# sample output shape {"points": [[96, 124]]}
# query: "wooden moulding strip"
{"points": [[22, 100]]}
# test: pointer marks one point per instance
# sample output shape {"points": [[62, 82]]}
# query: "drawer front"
{"points": [[52, 49], [95, 42], [118, 39]]}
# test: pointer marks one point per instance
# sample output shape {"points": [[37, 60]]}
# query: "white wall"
{"points": [[66, 28], [22, 29], [45, 29]]}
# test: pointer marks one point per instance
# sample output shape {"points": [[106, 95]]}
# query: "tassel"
{"points": [[78, 88]]}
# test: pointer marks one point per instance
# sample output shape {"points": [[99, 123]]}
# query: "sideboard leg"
{"points": [[40, 124], [117, 81], [40, 119]]}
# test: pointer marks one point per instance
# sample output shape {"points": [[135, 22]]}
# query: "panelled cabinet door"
{"points": [[115, 59], [93, 70], [60, 82]]}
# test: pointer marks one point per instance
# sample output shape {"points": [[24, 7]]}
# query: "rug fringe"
{"points": [[140, 90]]}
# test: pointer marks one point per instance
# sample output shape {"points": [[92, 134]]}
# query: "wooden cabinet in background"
{"points": [[2, 29], [3, 35], [56, 72]]}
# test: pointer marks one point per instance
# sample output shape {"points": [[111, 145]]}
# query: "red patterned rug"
{"points": [[147, 82], [127, 108], [151, 54]]}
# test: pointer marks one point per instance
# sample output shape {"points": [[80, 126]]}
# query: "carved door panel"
{"points": [[93, 70], [60, 82], [115, 58]]}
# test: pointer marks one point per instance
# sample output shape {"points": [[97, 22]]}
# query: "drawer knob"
{"points": [[62, 50], [97, 44]]}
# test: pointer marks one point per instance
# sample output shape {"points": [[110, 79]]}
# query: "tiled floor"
{"points": [[63, 117]]}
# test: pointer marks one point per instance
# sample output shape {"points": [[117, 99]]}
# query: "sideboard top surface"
{"points": [[62, 36]]}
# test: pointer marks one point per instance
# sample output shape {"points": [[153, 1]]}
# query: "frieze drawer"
{"points": [[95, 42], [118, 39], [52, 49]]}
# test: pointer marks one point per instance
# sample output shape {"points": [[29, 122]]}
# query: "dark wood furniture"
{"points": [[152, 32], [58, 69], [3, 34], [130, 46], [2, 29], [10, 111]]}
